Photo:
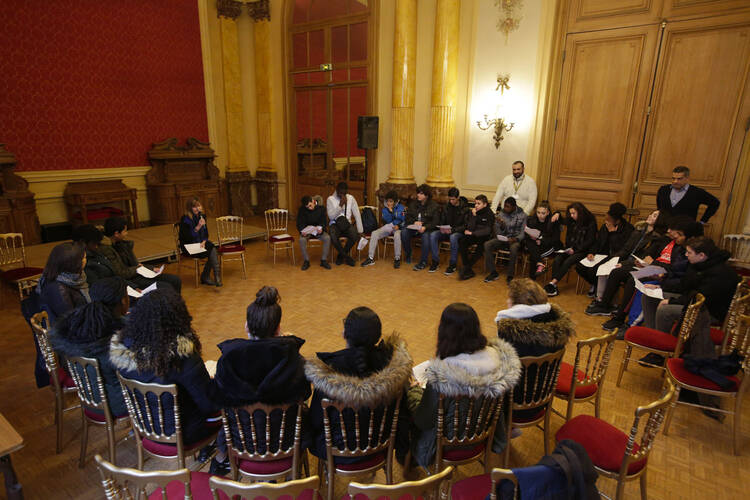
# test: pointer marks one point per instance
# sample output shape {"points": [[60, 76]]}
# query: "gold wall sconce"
{"points": [[498, 123]]}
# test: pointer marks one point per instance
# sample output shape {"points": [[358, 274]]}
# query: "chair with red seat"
{"points": [[740, 305], [149, 427], [94, 404], [365, 454], [682, 378], [593, 356], [60, 382], [277, 236], [616, 455], [477, 487], [416, 490], [655, 341], [535, 390], [231, 247], [253, 427], [299, 489], [13, 268]]}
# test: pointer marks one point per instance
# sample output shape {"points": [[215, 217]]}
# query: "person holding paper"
{"points": [[611, 238], [682, 198], [518, 185], [478, 230], [510, 224], [542, 238], [393, 216], [422, 218], [342, 208], [579, 241], [452, 225], [193, 229], [311, 223]]}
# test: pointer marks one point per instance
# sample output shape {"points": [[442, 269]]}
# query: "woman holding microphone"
{"points": [[193, 229]]}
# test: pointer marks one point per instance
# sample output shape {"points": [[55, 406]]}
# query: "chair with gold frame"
{"points": [[197, 261], [252, 425], [277, 236], [582, 381], [740, 305], [374, 449], [536, 388], [424, 488], [13, 267], [655, 341], [266, 491], [230, 244], [94, 403], [60, 382], [146, 404], [616, 455], [682, 378], [475, 487]]}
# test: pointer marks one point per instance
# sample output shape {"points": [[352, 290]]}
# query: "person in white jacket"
{"points": [[518, 185], [342, 208]]}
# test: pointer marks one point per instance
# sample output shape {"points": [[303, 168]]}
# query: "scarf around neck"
{"points": [[77, 281]]}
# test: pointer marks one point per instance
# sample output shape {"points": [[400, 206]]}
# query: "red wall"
{"points": [[93, 83]]}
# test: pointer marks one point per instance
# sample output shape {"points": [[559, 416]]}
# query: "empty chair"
{"points": [[277, 232], [424, 488], [300, 489], [231, 247], [13, 267]]}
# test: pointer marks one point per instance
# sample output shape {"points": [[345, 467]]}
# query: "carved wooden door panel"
{"points": [[587, 15], [601, 116], [700, 107]]}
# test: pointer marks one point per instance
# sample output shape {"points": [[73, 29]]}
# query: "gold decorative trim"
{"points": [[229, 8], [259, 10]]}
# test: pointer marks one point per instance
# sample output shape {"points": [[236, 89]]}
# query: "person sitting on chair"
{"points": [[342, 208], [479, 222], [312, 215], [509, 230], [422, 215], [63, 286], [193, 229], [454, 215], [579, 240], [544, 245], [393, 217]]}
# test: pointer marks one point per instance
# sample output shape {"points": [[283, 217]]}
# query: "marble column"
{"points": [[443, 103]]}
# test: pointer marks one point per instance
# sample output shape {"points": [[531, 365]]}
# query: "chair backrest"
{"points": [[538, 380], [266, 491], [121, 482], [354, 442], [688, 322], [464, 421], [89, 383], [40, 325], [176, 237], [229, 229], [741, 341], [498, 475], [276, 220], [654, 414], [738, 246], [592, 358], [414, 489], [11, 250], [740, 305], [257, 429]]}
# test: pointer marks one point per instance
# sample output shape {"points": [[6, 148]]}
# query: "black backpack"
{"points": [[369, 221]]}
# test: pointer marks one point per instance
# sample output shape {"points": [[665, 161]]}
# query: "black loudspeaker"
{"points": [[367, 132]]}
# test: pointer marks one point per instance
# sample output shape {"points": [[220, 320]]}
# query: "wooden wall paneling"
{"points": [[601, 115], [677, 8], [700, 106], [589, 15]]}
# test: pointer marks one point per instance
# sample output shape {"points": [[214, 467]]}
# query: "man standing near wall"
{"points": [[681, 198], [518, 185]]}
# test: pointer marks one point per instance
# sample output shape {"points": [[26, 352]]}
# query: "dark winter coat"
{"points": [[640, 241], [190, 234], [550, 231], [429, 212], [610, 242], [580, 237], [98, 266], [676, 269], [120, 256], [58, 298], [481, 224], [455, 216], [306, 217]]}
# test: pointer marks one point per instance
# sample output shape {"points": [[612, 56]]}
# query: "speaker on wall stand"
{"points": [[367, 138]]}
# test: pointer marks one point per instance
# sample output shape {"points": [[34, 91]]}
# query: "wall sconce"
{"points": [[498, 123]]}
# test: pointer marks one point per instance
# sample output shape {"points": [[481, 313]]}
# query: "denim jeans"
{"points": [[436, 237], [407, 235]]}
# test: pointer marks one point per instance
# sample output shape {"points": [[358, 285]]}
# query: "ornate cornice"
{"points": [[229, 8], [259, 10]]}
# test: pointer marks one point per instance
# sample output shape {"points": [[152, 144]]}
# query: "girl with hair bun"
{"points": [[266, 367], [367, 374]]}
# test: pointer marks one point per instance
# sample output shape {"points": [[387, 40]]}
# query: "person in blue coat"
{"points": [[193, 229], [392, 216]]}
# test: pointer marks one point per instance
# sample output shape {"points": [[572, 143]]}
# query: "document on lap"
{"points": [[591, 263], [210, 367], [534, 233], [502, 238], [311, 230], [148, 273], [445, 229], [136, 294], [650, 292], [606, 268], [648, 271], [413, 226], [564, 250], [194, 248], [420, 373]]}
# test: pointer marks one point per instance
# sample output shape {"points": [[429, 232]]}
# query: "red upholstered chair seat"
{"points": [[677, 368], [458, 454], [523, 418], [201, 490], [564, 379], [66, 381], [604, 442], [170, 450], [366, 463], [98, 416], [234, 247], [648, 337], [270, 467], [472, 488], [281, 237], [717, 335], [20, 273]]}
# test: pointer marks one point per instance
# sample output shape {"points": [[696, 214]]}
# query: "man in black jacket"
{"points": [[681, 198], [312, 215], [453, 215], [478, 230]]}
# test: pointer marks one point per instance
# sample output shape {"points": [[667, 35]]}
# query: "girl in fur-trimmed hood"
{"points": [[366, 374], [466, 364]]}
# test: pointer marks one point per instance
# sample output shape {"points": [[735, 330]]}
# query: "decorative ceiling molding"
{"points": [[229, 8], [510, 16], [260, 10]]}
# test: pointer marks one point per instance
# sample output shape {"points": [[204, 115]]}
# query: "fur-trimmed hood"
{"points": [[490, 372], [371, 391], [551, 330], [123, 358], [91, 349]]}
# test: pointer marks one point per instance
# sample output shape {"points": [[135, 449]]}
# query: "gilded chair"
{"points": [[582, 381], [277, 236], [274, 429], [13, 267], [664, 344], [423, 489], [146, 403], [476, 487], [94, 403], [368, 445], [60, 382], [616, 455], [740, 305], [179, 255], [535, 390], [231, 247], [299, 489], [737, 386]]}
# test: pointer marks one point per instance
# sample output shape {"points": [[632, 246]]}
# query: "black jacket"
{"points": [[675, 269], [315, 217], [58, 298], [581, 238], [455, 216], [640, 242], [97, 267], [689, 204], [609, 243], [481, 225], [429, 211], [550, 231]]}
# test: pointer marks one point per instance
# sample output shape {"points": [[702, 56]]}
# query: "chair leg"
{"points": [[197, 270], [737, 424], [84, 439], [598, 401], [620, 488], [331, 479], [294, 261], [569, 409], [59, 420], [644, 496], [112, 444], [546, 427], [624, 363], [671, 409], [506, 452], [139, 449], [244, 271]]}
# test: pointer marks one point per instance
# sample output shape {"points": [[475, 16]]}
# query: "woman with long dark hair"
{"points": [[63, 285], [579, 241], [193, 229]]}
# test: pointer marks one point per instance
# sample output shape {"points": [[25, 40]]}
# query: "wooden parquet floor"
{"points": [[695, 461]]}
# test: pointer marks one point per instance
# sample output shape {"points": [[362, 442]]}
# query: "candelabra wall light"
{"points": [[498, 123]]}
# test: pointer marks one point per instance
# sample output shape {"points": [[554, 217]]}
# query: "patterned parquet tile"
{"points": [[694, 461]]}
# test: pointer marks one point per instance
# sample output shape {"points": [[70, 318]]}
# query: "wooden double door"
{"points": [[637, 101]]}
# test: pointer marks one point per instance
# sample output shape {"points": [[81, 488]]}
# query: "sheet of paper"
{"points": [[313, 230], [148, 273], [534, 233], [134, 293], [445, 229], [413, 226], [591, 263], [502, 238], [639, 260], [362, 243], [650, 292], [210, 367], [564, 250], [607, 267], [149, 288], [194, 248], [648, 271], [420, 372]]}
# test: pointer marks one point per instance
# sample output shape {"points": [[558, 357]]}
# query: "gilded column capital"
{"points": [[229, 8], [259, 10]]}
